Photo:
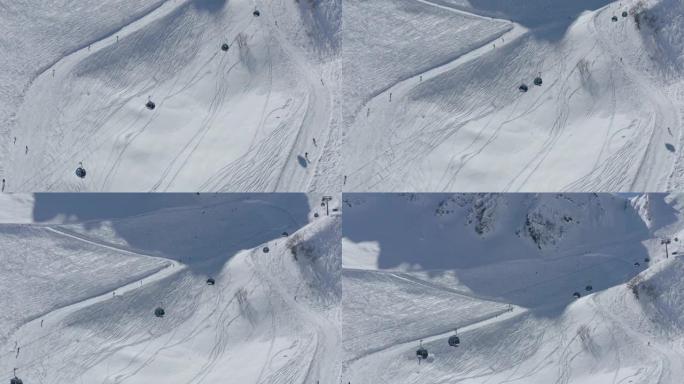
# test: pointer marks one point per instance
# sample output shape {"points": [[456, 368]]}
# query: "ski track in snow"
{"points": [[305, 361], [71, 59], [408, 347], [290, 175], [655, 169], [403, 87], [56, 315], [647, 175], [253, 170]]}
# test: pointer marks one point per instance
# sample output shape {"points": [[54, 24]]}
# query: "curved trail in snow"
{"points": [[55, 316], [408, 347], [319, 99], [671, 353], [654, 167], [74, 57], [305, 364], [291, 175], [399, 89], [315, 365], [260, 168], [637, 164]]}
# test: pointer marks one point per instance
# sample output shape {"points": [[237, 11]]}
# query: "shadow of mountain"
{"points": [[89, 208], [210, 6], [199, 230], [503, 265], [537, 15]]}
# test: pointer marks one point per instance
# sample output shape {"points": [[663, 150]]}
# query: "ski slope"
{"points": [[80, 293], [443, 111], [245, 119], [510, 299]]}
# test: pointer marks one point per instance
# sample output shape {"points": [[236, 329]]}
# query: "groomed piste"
{"points": [[172, 288], [178, 95], [511, 288], [494, 95]]}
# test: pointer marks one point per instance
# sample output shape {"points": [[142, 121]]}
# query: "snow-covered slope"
{"points": [[503, 269], [79, 296], [448, 114], [244, 119]]}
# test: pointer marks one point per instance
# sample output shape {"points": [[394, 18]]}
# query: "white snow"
{"points": [[79, 290], [470, 262], [78, 78], [434, 105]]}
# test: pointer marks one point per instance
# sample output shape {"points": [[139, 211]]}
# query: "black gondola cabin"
{"points": [[454, 341]]}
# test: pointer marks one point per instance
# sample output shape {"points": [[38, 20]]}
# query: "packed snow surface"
{"points": [[311, 95], [259, 115], [82, 280], [432, 99], [501, 271]]}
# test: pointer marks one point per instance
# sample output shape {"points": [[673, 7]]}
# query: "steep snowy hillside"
{"points": [[505, 271], [243, 95], [249, 284], [448, 112]]}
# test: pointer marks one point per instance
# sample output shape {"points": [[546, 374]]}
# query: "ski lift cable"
{"points": [[552, 279], [556, 277]]}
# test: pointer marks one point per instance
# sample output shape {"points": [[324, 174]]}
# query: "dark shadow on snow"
{"points": [[514, 272], [302, 161], [91, 207], [200, 230], [322, 20], [211, 6], [534, 14]]}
